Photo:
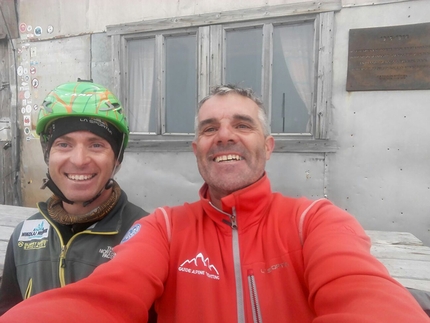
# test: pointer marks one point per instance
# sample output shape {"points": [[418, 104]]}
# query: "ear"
{"points": [[194, 145], [270, 145]]}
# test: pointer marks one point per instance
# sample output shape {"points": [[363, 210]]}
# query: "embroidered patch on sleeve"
{"points": [[131, 232]]}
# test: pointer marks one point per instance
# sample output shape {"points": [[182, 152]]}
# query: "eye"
{"points": [[209, 129], [243, 126], [60, 144]]}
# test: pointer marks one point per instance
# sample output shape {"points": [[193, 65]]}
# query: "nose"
{"points": [[79, 156], [226, 134]]}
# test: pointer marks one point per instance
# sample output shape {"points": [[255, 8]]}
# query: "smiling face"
{"points": [[230, 145], [80, 164]]}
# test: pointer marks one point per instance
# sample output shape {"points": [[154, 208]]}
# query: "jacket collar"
{"points": [[249, 204]]}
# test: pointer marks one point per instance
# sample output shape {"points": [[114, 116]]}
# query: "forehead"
{"points": [[227, 106]]}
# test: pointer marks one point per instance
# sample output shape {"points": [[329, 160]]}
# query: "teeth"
{"points": [[227, 158], [79, 177]]}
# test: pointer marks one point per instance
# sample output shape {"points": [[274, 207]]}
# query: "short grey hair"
{"points": [[245, 92]]}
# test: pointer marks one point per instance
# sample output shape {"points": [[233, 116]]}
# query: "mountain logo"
{"points": [[199, 265], [34, 230]]}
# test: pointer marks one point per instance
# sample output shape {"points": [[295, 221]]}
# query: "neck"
{"points": [[215, 197], [79, 208], [67, 214]]}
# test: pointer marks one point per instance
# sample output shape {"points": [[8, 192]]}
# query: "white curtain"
{"points": [[141, 56], [297, 46]]}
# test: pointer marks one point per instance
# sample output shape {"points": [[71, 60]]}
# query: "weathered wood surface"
{"points": [[10, 216], [405, 257], [403, 254]]}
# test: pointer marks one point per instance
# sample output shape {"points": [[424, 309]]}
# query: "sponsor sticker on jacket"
{"points": [[34, 230]]}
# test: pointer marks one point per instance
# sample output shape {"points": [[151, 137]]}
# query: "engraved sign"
{"points": [[389, 58]]}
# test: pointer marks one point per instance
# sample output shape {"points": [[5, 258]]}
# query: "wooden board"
{"points": [[10, 217]]}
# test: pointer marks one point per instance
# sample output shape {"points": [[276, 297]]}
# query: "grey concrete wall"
{"points": [[381, 173]]}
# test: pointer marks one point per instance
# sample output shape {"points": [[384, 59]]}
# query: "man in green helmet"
{"points": [[83, 133]]}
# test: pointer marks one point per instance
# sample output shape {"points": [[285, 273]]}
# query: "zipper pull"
{"points": [[233, 219], [233, 222], [63, 257]]}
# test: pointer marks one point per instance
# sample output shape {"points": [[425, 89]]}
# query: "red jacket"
{"points": [[263, 258]]}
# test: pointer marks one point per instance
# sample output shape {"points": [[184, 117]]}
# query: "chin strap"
{"points": [[108, 185], [47, 182]]}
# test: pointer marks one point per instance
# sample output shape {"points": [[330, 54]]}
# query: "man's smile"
{"points": [[229, 157], [80, 177]]}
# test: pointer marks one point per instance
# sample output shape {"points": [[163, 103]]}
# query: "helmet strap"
{"points": [[48, 182]]}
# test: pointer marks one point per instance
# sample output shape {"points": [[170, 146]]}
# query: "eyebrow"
{"points": [[244, 117], [236, 117], [93, 137]]}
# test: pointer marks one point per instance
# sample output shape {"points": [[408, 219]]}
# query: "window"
{"points": [[166, 70]]}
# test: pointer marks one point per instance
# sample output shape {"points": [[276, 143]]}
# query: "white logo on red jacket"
{"points": [[199, 265]]}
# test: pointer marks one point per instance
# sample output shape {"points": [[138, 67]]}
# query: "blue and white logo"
{"points": [[34, 230], [131, 233]]}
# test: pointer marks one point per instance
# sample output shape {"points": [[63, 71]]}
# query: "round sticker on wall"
{"points": [[20, 70], [27, 120], [28, 108], [27, 130], [22, 27], [50, 29], [23, 110], [29, 28], [38, 31], [35, 83]]}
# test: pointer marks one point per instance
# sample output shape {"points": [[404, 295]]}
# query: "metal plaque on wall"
{"points": [[389, 58]]}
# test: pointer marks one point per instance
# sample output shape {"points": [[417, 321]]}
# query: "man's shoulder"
{"points": [[35, 217], [131, 208], [300, 200], [196, 205], [134, 211]]}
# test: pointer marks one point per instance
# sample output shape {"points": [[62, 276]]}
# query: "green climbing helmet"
{"points": [[82, 99]]}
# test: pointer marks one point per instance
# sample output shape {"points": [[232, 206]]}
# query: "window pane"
{"points": [[244, 58], [141, 105], [292, 83], [181, 83]]}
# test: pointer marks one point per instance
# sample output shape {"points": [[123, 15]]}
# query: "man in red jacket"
{"points": [[242, 253]]}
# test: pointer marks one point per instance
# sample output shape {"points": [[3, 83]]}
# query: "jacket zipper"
{"points": [[255, 304], [237, 268], [64, 248], [62, 266], [236, 263], [28, 289]]}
